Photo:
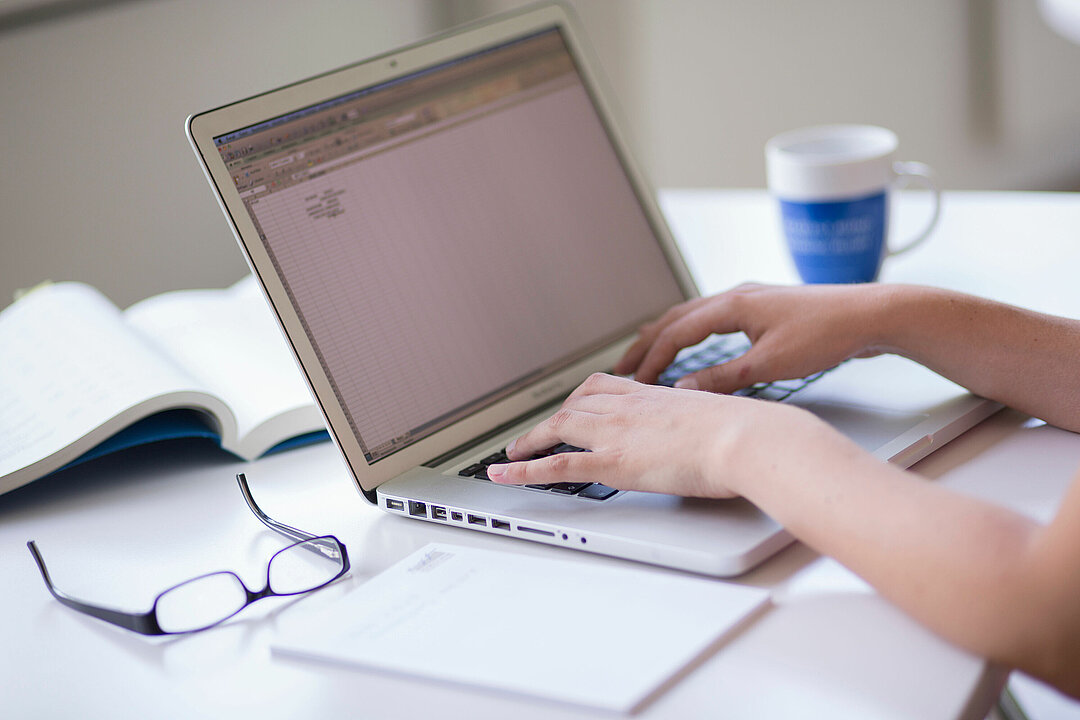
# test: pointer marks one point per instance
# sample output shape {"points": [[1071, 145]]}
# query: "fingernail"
{"points": [[510, 447], [494, 472], [687, 383]]}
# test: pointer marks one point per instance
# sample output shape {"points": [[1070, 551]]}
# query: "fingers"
{"points": [[688, 330], [603, 384], [576, 422], [648, 332], [727, 377], [565, 426], [564, 467]]}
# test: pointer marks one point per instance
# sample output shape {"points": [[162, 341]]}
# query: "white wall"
{"points": [[983, 90], [100, 185], [99, 182]]}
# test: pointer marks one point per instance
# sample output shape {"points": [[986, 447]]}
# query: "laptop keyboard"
{"points": [[727, 347], [720, 349]]}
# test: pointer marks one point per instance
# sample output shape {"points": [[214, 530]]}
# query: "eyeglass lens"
{"points": [[209, 599], [200, 602], [303, 567]]}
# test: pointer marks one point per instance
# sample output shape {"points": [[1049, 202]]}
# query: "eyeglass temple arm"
{"points": [[268, 521], [322, 547], [143, 623]]}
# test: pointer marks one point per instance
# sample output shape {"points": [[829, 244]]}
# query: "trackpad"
{"points": [[869, 427]]}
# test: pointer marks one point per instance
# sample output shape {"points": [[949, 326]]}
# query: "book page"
{"points": [[230, 341], [68, 365]]}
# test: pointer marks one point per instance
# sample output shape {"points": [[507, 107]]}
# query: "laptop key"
{"points": [[596, 491], [499, 457], [471, 470], [568, 488]]}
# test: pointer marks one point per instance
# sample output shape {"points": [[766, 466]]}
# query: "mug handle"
{"points": [[921, 174]]}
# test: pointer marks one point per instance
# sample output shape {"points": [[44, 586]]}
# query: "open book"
{"points": [[79, 378]]}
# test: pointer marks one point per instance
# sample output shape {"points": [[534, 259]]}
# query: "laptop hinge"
{"points": [[486, 437]]}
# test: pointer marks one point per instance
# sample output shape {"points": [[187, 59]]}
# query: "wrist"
{"points": [[762, 446], [898, 317], [806, 480]]}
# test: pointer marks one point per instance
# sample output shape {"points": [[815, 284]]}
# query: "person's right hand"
{"points": [[794, 331], [679, 442]]}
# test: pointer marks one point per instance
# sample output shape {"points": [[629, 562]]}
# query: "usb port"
{"points": [[417, 509], [477, 520], [395, 504], [438, 513], [500, 525]]}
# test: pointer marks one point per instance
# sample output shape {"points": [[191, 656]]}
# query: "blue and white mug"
{"points": [[833, 183]]}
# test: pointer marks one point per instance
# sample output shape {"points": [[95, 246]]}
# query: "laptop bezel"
{"points": [[203, 127]]}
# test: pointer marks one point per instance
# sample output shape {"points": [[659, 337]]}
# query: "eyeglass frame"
{"points": [[146, 623]]}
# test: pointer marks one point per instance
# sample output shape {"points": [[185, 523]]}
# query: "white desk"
{"points": [[121, 529]]}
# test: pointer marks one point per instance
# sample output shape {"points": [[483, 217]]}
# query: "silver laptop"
{"points": [[453, 236]]}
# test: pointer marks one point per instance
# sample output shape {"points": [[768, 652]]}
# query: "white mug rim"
{"points": [[874, 142], [832, 172]]}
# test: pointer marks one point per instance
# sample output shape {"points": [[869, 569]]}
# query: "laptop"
{"points": [[452, 237]]}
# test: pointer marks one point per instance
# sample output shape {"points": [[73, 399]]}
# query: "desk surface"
{"points": [[120, 529]]}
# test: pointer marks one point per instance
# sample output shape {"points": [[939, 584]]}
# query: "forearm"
{"points": [[972, 572], [1024, 359]]}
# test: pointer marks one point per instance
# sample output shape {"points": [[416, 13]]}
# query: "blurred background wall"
{"points": [[100, 185]]}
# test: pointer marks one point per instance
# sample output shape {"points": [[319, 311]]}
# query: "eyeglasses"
{"points": [[310, 563]]}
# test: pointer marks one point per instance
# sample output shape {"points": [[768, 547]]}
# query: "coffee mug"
{"points": [[833, 183]]}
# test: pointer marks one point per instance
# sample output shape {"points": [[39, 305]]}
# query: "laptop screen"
{"points": [[451, 236]]}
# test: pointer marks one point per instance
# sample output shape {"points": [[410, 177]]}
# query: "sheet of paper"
{"points": [[602, 637]]}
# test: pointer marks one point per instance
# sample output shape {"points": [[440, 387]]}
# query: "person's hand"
{"points": [[681, 442], [794, 331]]}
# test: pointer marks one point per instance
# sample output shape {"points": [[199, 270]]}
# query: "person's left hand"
{"points": [[644, 437]]}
